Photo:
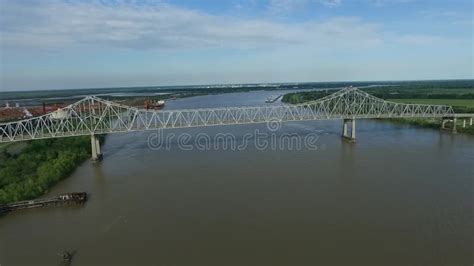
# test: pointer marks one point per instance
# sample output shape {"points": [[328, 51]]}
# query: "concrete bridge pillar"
{"points": [[345, 133], [464, 123], [95, 148], [344, 128], [443, 123], [446, 120], [353, 128], [470, 122]]}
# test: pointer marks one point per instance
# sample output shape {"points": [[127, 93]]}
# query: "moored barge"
{"points": [[69, 198]]}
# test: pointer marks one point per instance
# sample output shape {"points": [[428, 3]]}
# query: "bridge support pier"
{"points": [[453, 129], [345, 134], [443, 124], [470, 122], [464, 123], [95, 148]]}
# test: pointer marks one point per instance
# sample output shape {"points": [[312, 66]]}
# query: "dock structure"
{"points": [[70, 198]]}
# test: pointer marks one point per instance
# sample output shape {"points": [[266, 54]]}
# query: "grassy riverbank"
{"points": [[427, 123], [451, 102], [38, 165]]}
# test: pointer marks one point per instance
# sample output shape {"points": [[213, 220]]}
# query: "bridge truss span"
{"points": [[93, 115]]}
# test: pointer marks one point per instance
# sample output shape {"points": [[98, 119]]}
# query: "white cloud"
{"points": [[449, 17], [464, 22], [331, 3], [56, 25], [417, 39], [285, 6], [288, 6], [437, 13], [387, 2]]}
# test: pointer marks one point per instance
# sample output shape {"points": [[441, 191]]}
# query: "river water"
{"points": [[401, 195]]}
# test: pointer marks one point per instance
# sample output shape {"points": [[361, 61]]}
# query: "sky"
{"points": [[63, 44]]}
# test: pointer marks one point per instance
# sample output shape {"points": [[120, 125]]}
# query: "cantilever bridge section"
{"points": [[93, 115]]}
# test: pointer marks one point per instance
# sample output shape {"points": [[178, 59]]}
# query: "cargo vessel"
{"points": [[75, 197], [157, 105]]}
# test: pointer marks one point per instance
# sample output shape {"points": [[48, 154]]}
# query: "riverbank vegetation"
{"points": [[459, 105], [40, 165], [427, 123], [433, 123], [455, 92], [468, 130]]}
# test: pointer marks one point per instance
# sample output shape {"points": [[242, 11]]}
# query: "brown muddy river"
{"points": [[400, 196]]}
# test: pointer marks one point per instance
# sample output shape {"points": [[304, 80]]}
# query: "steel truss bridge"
{"points": [[93, 115]]}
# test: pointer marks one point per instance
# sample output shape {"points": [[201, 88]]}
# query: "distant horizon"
{"points": [[230, 84]]}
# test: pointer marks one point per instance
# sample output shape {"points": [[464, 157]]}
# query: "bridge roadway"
{"points": [[464, 115], [92, 115]]}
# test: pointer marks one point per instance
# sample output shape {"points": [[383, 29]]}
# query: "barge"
{"points": [[70, 198], [273, 99]]}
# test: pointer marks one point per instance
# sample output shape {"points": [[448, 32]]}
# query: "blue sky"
{"points": [[91, 43]]}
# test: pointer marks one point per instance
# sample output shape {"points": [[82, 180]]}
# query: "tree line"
{"points": [[39, 166]]}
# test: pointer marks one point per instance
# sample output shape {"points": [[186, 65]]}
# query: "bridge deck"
{"points": [[463, 115]]}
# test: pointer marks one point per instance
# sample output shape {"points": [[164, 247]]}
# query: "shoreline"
{"points": [[39, 165], [429, 123]]}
